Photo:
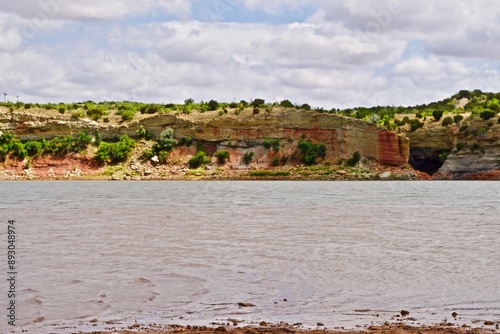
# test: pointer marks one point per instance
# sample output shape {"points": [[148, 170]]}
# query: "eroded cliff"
{"points": [[342, 135]]}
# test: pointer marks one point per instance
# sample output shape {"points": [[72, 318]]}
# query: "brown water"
{"points": [[340, 253]]}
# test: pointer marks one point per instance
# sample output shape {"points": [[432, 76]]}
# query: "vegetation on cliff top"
{"points": [[476, 102], [471, 111]]}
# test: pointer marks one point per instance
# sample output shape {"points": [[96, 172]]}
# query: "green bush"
{"points": [[115, 152], [459, 146], [437, 114], [248, 157], [188, 141], [78, 114], [256, 111], [126, 115], [62, 110], [305, 106], [258, 102], [199, 159], [222, 157], [33, 148], [213, 105], [275, 161], [487, 114], [143, 133], [415, 124], [18, 149], [148, 153], [163, 157], [166, 141], [447, 121], [353, 161], [274, 143], [457, 118], [310, 152], [286, 104], [443, 156]]}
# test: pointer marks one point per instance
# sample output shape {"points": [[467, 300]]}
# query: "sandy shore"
{"points": [[289, 329]]}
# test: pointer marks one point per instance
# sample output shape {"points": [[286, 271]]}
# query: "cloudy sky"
{"points": [[328, 53]]}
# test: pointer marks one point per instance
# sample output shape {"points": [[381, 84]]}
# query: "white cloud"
{"points": [[347, 53], [94, 9]]}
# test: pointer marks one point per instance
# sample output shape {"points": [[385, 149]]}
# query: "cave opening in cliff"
{"points": [[425, 160]]}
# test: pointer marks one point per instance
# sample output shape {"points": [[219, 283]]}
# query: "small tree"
{"points": [[199, 159], [248, 157], [258, 102], [437, 114], [166, 141], [353, 161], [447, 121], [213, 105], [222, 157], [286, 104]]}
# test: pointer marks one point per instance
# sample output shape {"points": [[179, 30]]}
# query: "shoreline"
{"points": [[284, 328]]}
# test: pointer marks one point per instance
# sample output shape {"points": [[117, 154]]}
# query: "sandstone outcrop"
{"points": [[342, 135]]}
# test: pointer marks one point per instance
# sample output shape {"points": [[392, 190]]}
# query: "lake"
{"points": [[344, 254]]}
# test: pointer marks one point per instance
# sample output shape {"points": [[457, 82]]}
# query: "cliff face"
{"points": [[476, 152], [342, 136], [472, 147]]}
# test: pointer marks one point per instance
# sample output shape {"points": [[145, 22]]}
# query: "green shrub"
{"points": [[18, 149], [213, 105], [163, 157], [474, 146], [274, 143], [443, 156], [275, 161], [248, 157], [115, 152], [437, 114], [33, 147], [199, 159], [148, 153], [257, 102], [166, 141], [222, 157], [310, 152], [95, 113], [126, 115], [188, 141], [415, 124], [256, 111], [78, 114], [286, 104], [457, 118], [447, 121], [459, 146], [106, 119], [143, 133], [353, 161], [83, 139], [487, 114], [305, 106], [62, 110]]}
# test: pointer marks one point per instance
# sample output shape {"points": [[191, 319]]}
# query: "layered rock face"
{"points": [[479, 154], [342, 136]]}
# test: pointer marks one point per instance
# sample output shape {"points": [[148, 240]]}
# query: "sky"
{"points": [[327, 53]]}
